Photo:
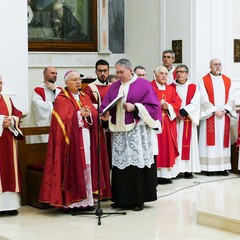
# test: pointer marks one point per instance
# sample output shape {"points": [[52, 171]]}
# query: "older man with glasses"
{"points": [[217, 109], [70, 175], [131, 121], [188, 120]]}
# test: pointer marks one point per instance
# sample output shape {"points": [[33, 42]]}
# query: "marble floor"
{"points": [[174, 216]]}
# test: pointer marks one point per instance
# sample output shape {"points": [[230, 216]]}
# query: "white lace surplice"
{"points": [[132, 148]]}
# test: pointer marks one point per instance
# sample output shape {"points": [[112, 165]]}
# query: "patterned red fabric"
{"points": [[167, 140], [187, 127], [63, 180], [211, 121], [9, 168]]}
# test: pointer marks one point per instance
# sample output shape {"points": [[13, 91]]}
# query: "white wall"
{"points": [[213, 37], [207, 28], [235, 28], [176, 25], [142, 28], [13, 52]]}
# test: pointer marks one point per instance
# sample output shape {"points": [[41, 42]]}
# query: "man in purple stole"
{"points": [[132, 121]]}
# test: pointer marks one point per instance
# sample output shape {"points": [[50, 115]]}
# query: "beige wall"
{"points": [[142, 40]]}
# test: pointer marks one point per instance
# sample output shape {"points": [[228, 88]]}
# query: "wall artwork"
{"points": [[177, 48], [116, 25], [236, 44], [62, 25]]}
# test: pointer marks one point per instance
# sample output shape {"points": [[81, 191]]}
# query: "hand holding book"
{"points": [[111, 104]]}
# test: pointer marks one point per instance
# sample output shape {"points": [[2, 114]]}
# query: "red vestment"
{"points": [[96, 91], [9, 168], [63, 180], [211, 121], [100, 89], [167, 140]]}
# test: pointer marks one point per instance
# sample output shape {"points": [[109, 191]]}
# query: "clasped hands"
{"points": [[220, 113], [7, 121], [164, 104], [85, 111]]}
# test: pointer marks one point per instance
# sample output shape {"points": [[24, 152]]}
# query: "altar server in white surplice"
{"points": [[188, 120], [43, 100], [217, 108]]}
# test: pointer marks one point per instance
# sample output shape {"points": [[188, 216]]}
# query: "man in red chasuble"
{"points": [[10, 185], [170, 104], [97, 91], [71, 169]]}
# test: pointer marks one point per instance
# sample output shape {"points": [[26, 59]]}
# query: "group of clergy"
{"points": [[187, 109], [147, 137]]}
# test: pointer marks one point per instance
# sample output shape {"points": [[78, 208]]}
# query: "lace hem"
{"points": [[132, 148]]}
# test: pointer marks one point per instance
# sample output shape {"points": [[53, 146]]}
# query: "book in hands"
{"points": [[112, 104]]}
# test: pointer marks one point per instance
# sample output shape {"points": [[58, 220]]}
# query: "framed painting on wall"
{"points": [[236, 44], [62, 25], [177, 48]]}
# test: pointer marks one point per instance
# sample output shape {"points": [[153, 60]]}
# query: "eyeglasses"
{"points": [[217, 64], [120, 72], [180, 72], [75, 80], [167, 56], [102, 71]]}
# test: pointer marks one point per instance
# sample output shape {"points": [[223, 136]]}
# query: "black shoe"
{"points": [[114, 205], [67, 210], [76, 210], [11, 212], [138, 208], [88, 208], [188, 175], [209, 174], [223, 173], [164, 181]]}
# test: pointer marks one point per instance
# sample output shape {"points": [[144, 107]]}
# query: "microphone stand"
{"points": [[99, 212]]}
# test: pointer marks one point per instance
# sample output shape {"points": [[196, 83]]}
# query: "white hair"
{"points": [[69, 73], [160, 68]]}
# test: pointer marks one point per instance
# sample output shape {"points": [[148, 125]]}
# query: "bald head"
{"points": [[216, 66], [50, 74]]}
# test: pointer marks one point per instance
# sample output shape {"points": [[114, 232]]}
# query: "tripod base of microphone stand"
{"points": [[99, 212]]}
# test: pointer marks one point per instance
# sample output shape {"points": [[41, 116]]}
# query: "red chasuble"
{"points": [[101, 89], [105, 137], [9, 168], [63, 180], [167, 140]]}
